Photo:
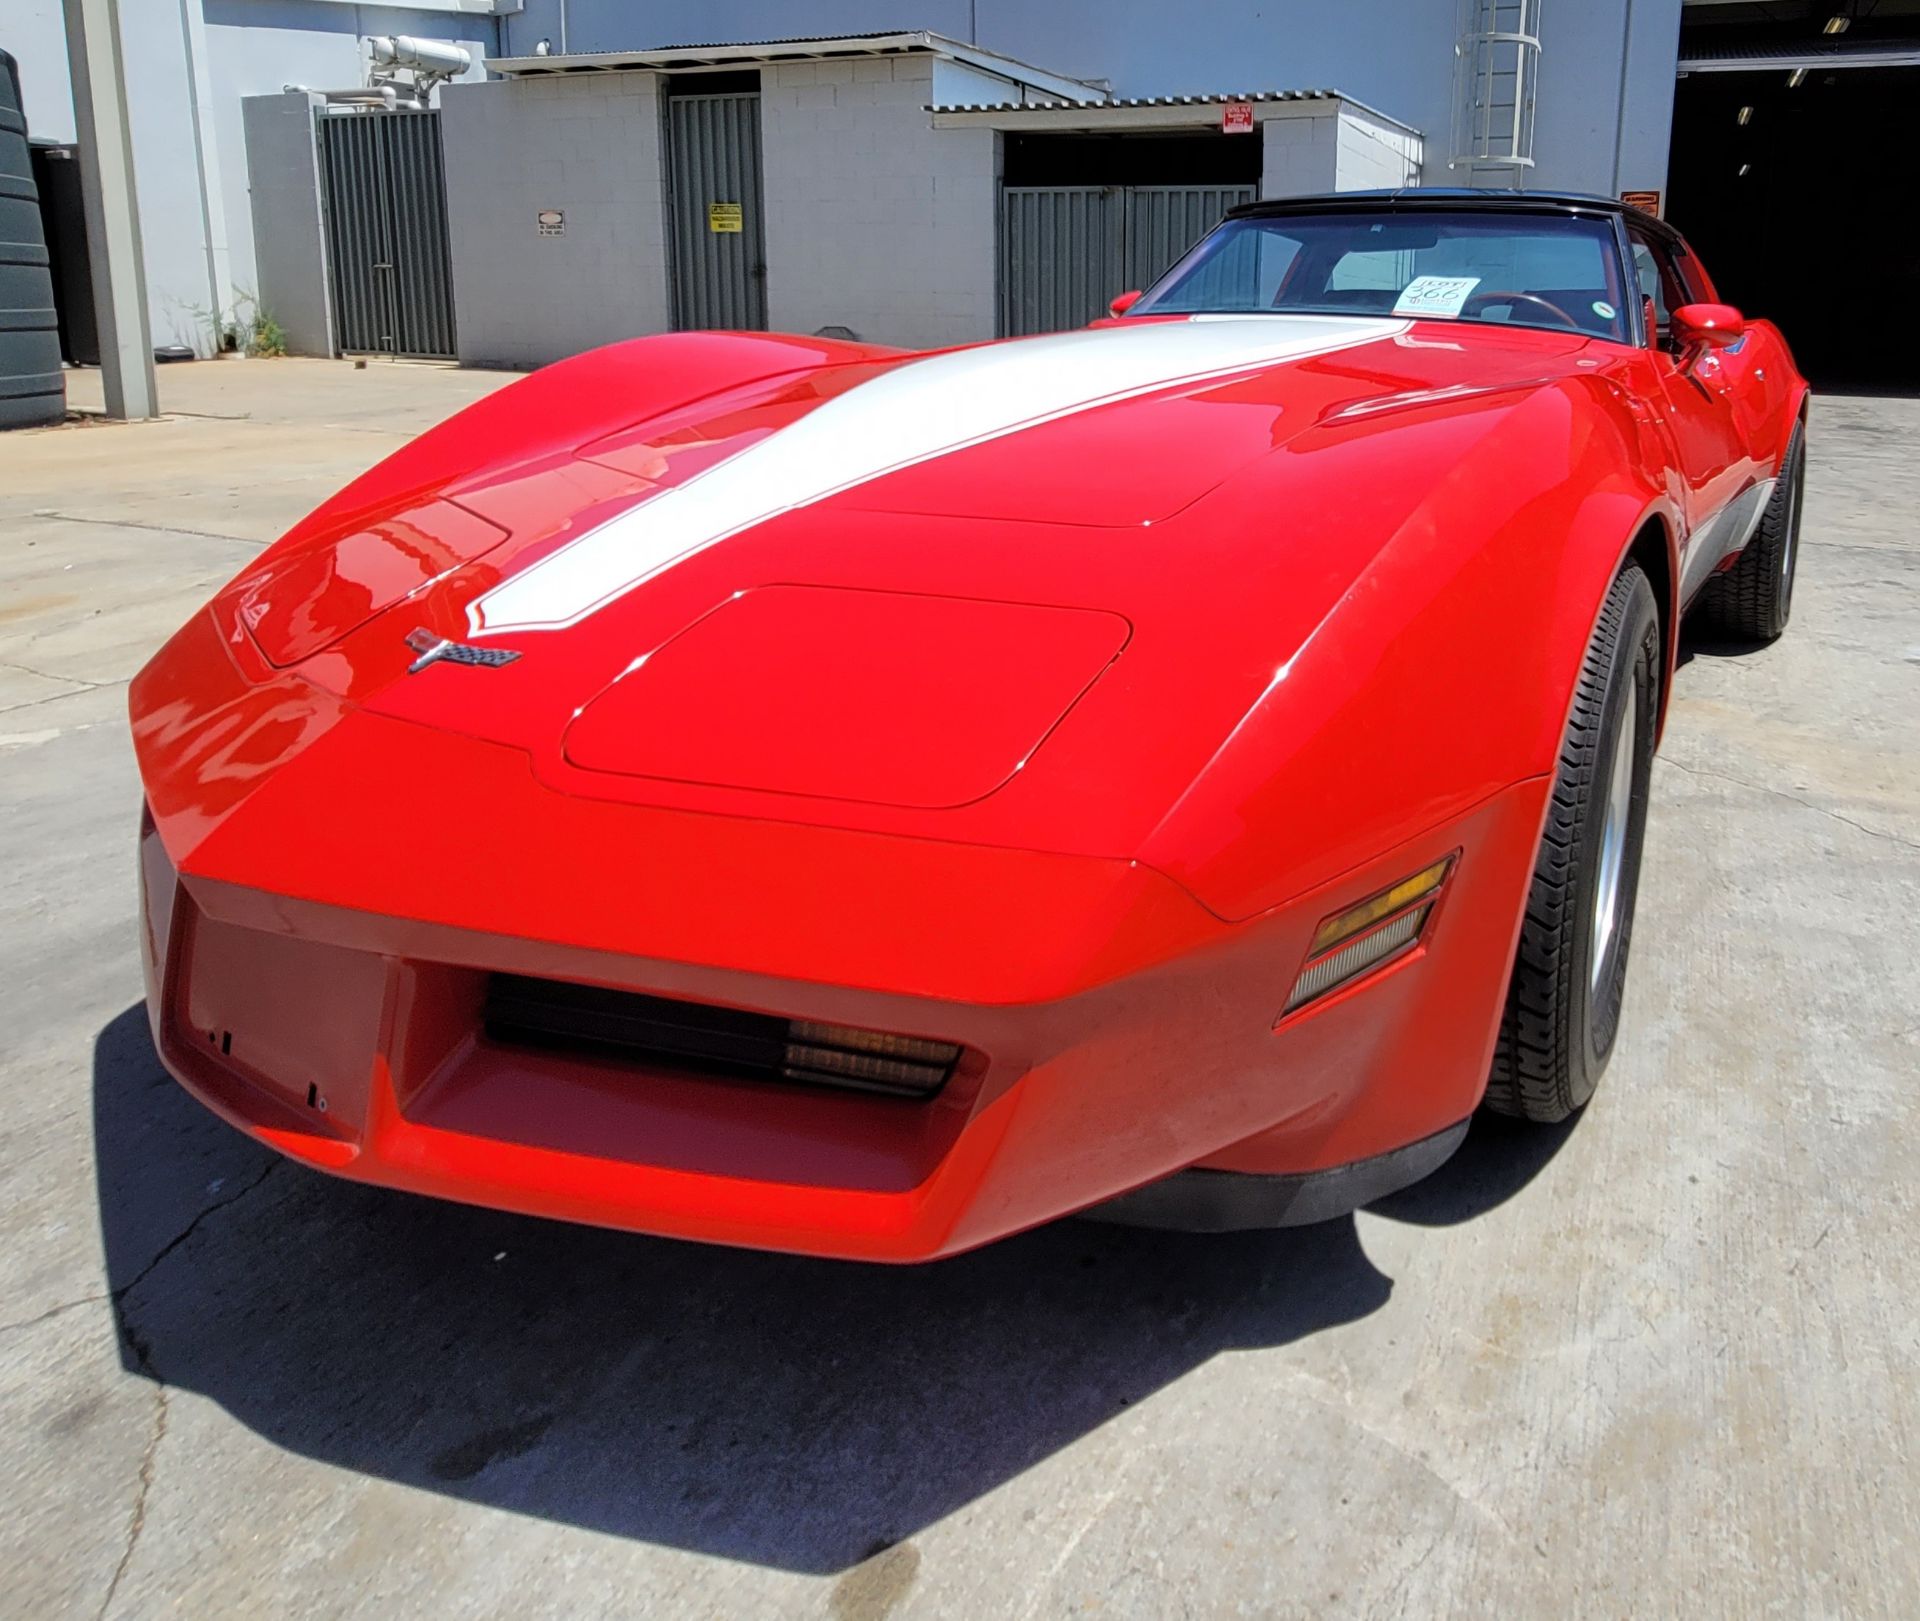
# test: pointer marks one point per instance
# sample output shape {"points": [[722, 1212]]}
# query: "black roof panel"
{"points": [[1454, 197]]}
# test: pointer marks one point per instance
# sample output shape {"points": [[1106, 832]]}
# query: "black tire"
{"points": [[1751, 601], [1563, 1005]]}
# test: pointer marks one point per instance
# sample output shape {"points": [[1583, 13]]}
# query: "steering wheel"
{"points": [[1504, 297]]}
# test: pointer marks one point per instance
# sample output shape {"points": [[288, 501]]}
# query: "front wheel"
{"points": [[1570, 972]]}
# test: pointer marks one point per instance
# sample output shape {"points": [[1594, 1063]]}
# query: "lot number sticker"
{"points": [[723, 217], [1435, 295]]}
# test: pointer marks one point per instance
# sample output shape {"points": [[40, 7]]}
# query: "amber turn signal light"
{"points": [[1365, 935], [1355, 919]]}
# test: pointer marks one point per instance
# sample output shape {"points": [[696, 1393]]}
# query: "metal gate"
{"points": [[387, 261], [1066, 250], [719, 234]]}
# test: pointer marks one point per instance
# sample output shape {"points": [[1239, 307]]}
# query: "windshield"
{"points": [[1558, 271]]}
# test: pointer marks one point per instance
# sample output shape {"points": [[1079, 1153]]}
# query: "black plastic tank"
{"points": [[56, 171], [33, 389]]}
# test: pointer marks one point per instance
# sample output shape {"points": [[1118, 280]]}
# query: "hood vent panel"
{"points": [[881, 697]]}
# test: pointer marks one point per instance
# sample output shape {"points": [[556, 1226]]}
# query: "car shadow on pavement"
{"points": [[795, 1413], [1498, 1159], [1699, 641]]}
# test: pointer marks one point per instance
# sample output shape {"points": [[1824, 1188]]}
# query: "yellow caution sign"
{"points": [[723, 216]]}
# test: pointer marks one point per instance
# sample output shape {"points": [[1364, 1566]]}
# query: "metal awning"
{"points": [[1822, 53], [1137, 112], [836, 47]]}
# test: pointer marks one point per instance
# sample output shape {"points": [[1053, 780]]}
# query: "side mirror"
{"points": [[1708, 326], [1125, 302]]}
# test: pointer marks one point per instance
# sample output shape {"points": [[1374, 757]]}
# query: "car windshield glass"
{"points": [[1556, 271]]}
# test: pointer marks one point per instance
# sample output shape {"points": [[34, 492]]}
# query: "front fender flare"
{"points": [[1443, 674]]}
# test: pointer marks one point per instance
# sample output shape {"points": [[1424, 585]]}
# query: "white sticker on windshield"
{"points": [[1435, 295], [1603, 309]]}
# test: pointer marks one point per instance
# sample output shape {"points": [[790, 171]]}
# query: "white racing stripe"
{"points": [[913, 413]]}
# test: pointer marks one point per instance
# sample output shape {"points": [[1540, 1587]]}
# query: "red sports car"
{"points": [[794, 793]]}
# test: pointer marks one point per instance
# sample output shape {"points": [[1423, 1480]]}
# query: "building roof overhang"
{"points": [[668, 58], [1117, 113], [1806, 53]]}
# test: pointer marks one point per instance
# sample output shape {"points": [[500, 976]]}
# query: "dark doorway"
{"points": [[1175, 158], [1802, 212]]}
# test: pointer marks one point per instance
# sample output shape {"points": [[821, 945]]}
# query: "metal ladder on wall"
{"points": [[1496, 73]]}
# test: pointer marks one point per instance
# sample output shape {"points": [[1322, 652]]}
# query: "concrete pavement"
{"points": [[1660, 1360]]}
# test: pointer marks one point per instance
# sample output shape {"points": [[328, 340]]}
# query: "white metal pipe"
{"points": [[432, 55]]}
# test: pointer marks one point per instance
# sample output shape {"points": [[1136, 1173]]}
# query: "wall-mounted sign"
{"points": [[1648, 202], [552, 222], [723, 217], [1236, 118]]}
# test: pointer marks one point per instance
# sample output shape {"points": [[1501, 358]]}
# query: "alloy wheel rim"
{"points": [[1608, 886]]}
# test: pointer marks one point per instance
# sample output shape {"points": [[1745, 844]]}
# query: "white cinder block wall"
{"points": [[1299, 150], [1374, 153], [875, 221], [587, 144], [1336, 146]]}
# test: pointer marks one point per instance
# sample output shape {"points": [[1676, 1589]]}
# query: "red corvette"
{"points": [[793, 793]]}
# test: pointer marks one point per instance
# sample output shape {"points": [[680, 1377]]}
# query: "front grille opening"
{"points": [[724, 1041]]}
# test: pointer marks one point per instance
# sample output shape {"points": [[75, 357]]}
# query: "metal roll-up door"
{"points": [[714, 204]]}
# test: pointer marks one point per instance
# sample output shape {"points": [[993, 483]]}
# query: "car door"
{"points": [[1757, 372], [1695, 395]]}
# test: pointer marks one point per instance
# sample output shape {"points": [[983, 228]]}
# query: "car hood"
{"points": [[1017, 593]]}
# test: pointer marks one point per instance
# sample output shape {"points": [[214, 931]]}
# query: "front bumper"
{"points": [[1115, 1033]]}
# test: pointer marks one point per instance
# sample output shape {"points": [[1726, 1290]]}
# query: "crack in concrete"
{"points": [[76, 686], [136, 1343], [1794, 799], [51, 1312], [155, 528], [1901, 548], [48, 675], [179, 1238], [137, 1519]]}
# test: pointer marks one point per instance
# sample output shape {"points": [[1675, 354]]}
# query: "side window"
{"points": [[1659, 280], [1694, 277]]}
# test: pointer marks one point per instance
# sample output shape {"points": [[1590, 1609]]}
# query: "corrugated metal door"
{"points": [[1066, 250], [719, 234], [387, 258], [1062, 256], [1164, 221]]}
